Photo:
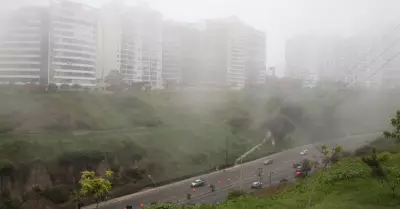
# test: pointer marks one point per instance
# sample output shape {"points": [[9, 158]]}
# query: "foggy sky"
{"points": [[281, 19]]}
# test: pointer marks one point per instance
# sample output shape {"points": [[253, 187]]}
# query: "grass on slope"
{"points": [[346, 185]]}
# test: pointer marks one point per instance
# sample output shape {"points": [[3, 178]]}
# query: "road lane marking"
{"points": [[215, 173]]}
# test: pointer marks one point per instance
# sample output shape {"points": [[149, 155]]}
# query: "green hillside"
{"points": [[348, 184], [170, 135]]}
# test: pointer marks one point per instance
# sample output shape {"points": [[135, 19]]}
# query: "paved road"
{"points": [[230, 178]]}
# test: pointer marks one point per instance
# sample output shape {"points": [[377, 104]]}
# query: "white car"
{"points": [[197, 183], [256, 185], [305, 152], [268, 162]]}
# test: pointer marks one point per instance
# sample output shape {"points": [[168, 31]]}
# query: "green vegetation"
{"points": [[169, 135], [347, 184], [94, 186], [368, 181]]}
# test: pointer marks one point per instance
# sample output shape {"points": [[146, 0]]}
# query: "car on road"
{"points": [[256, 185], [300, 174], [268, 162], [197, 183], [302, 171], [295, 165], [299, 167], [304, 152]]}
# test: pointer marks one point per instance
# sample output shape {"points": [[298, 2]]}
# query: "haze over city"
{"points": [[280, 19], [227, 104]]}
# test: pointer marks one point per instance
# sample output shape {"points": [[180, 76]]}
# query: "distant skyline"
{"points": [[280, 19]]}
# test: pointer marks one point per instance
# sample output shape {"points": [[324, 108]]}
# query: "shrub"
{"points": [[52, 87], [76, 87], [363, 151], [235, 194], [58, 194], [65, 86], [344, 171], [384, 156]]}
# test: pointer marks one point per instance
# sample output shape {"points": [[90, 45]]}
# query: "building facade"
{"points": [[73, 38], [132, 41], [222, 53], [354, 61], [50, 45], [24, 47], [172, 52]]}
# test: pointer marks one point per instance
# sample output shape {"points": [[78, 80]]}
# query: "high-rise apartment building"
{"points": [[132, 40], [24, 47], [349, 60], [256, 70], [172, 52], [73, 38], [225, 52], [50, 45]]}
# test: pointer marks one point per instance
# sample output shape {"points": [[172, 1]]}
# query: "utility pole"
{"points": [[241, 173], [260, 172], [270, 178]]}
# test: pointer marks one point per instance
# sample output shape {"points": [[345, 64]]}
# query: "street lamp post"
{"points": [[154, 183], [270, 177], [152, 180], [260, 173], [241, 173], [226, 151]]}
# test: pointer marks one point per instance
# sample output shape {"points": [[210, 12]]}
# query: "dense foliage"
{"points": [[168, 134]]}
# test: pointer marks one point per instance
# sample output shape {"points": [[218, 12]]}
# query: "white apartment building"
{"points": [[224, 53], [351, 60], [172, 52], [256, 57], [23, 47], [239, 52], [132, 41], [74, 43]]}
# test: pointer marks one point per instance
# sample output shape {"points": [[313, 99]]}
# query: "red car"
{"points": [[299, 174]]}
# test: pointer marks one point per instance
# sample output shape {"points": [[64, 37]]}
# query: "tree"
{"points": [[330, 156], [387, 174], [306, 165], [76, 86], [95, 186], [395, 122], [273, 104], [65, 86], [7, 170], [239, 123], [327, 159], [114, 77], [279, 126], [236, 194], [52, 87], [139, 85], [76, 198], [115, 80]]}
